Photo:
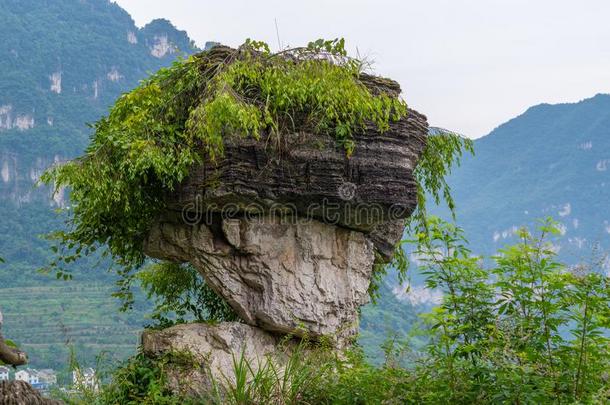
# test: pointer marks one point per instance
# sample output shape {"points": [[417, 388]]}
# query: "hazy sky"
{"points": [[469, 65]]}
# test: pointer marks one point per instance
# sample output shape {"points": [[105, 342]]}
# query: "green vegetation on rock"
{"points": [[156, 133]]}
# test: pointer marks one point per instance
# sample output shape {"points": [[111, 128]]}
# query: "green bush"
{"points": [[181, 295], [527, 330]]}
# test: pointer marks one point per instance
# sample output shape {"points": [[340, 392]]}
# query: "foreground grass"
{"points": [[320, 377], [307, 377]]}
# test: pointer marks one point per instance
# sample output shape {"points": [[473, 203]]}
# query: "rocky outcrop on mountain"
{"points": [[288, 233]]}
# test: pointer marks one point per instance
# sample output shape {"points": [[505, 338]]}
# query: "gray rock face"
{"points": [[301, 278], [213, 348], [309, 176], [287, 231]]}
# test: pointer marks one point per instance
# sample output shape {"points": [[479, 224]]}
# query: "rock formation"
{"points": [[296, 278], [311, 177], [288, 234], [22, 393]]}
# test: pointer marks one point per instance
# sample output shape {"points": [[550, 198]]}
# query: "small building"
{"points": [[28, 375], [4, 373]]}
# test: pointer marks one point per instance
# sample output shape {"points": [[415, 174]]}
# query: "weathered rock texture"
{"points": [[22, 393], [213, 349], [287, 232], [291, 278], [310, 176]]}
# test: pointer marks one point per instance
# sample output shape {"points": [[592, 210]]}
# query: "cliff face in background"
{"points": [[63, 63]]}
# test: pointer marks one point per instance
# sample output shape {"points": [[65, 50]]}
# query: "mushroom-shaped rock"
{"points": [[288, 233], [283, 178]]}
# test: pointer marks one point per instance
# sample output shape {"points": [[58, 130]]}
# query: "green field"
{"points": [[46, 321]]}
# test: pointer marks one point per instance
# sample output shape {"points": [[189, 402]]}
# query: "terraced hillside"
{"points": [[50, 319]]}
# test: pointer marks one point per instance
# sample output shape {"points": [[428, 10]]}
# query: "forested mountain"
{"points": [[552, 160], [63, 63]]}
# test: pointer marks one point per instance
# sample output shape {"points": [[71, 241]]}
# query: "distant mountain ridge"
{"points": [[63, 64], [552, 160]]}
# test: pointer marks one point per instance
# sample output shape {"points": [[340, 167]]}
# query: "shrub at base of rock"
{"points": [[22, 393], [200, 356]]}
